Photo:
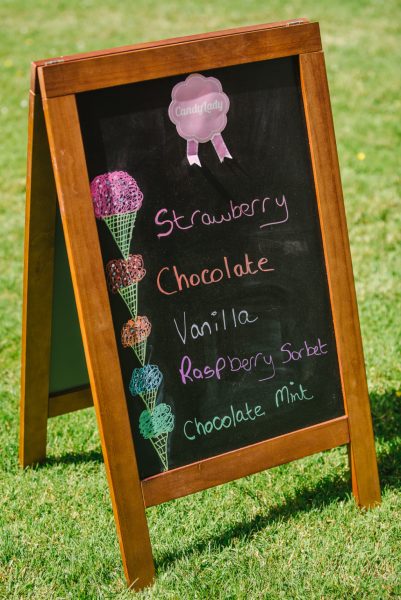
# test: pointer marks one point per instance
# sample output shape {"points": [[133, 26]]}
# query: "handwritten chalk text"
{"points": [[169, 220], [305, 351], [234, 416], [223, 364], [220, 319], [288, 395], [170, 281]]}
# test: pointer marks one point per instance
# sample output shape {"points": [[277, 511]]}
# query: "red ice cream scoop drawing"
{"points": [[123, 276]]}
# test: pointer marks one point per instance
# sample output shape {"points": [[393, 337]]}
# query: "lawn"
{"points": [[293, 532]]}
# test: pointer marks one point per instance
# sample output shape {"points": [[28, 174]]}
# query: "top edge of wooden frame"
{"points": [[168, 41], [140, 62]]}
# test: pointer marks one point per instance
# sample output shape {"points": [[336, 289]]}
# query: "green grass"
{"points": [[293, 532]]}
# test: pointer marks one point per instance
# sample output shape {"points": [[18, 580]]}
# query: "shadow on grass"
{"points": [[328, 490], [386, 411], [73, 458]]}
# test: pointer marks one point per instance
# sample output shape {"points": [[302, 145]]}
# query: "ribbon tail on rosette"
{"points": [[220, 147], [192, 153]]}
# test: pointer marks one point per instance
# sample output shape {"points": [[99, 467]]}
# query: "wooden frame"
{"points": [[59, 81]]}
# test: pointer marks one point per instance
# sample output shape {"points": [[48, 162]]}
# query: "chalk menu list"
{"points": [[235, 287]]}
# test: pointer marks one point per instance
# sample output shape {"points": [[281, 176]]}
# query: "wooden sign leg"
{"points": [[365, 478], [38, 289], [87, 272]]}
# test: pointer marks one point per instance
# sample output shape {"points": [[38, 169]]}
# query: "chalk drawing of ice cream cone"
{"points": [[116, 200], [123, 276], [145, 382], [135, 335], [155, 427]]}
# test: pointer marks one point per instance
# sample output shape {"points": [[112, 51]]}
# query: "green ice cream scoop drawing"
{"points": [[155, 427]]}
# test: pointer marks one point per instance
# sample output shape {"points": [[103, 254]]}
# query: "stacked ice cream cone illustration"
{"points": [[157, 421], [145, 382], [116, 200], [135, 335], [123, 276], [155, 426]]}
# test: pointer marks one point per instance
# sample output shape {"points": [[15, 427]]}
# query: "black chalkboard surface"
{"points": [[252, 355]]}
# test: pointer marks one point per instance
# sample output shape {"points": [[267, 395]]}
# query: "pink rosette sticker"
{"points": [[199, 111]]}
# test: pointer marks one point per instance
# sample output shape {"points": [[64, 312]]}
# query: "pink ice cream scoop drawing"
{"points": [[116, 200], [199, 111]]}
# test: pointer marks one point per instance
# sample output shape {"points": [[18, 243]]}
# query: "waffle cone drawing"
{"points": [[134, 334], [130, 296], [145, 382], [155, 426], [116, 200], [121, 228], [149, 398], [160, 445], [140, 351], [123, 276]]}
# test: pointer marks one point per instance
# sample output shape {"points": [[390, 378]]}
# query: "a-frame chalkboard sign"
{"points": [[203, 238]]}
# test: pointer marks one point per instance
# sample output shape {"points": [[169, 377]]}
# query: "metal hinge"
{"points": [[54, 61]]}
